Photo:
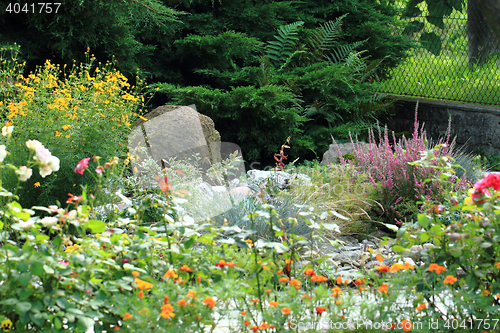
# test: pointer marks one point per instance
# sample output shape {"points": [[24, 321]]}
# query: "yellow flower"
{"points": [[37, 184], [65, 127], [6, 325]]}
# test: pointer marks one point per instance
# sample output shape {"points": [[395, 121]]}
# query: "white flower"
{"points": [[3, 153], [7, 131], [49, 221], [33, 144], [53, 163], [24, 173], [45, 170], [43, 154], [26, 224]]}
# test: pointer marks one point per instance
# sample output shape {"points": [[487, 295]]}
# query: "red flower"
{"points": [[320, 310], [491, 180], [82, 165]]}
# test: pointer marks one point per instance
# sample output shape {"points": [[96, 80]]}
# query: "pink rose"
{"points": [[82, 165]]}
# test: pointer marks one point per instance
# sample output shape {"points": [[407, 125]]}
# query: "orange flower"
{"points": [[288, 261], [273, 304], [264, 326], [339, 279], [135, 274], [421, 307], [437, 268], [243, 313], [186, 268], [486, 292], [396, 267], [279, 272], [254, 328], [359, 282], [406, 325], [379, 258], [197, 318], [141, 294], [127, 316], [284, 279], [319, 278], [246, 322], [167, 311], [198, 279], [255, 301], [320, 310], [383, 288], [311, 272], [170, 274], [407, 265], [383, 268], [268, 291], [165, 300], [116, 328], [338, 302], [295, 282], [191, 293], [209, 301], [286, 311], [337, 290], [142, 284], [182, 302], [450, 279], [498, 265]]}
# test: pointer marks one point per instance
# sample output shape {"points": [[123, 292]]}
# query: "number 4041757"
{"points": [[34, 8]]}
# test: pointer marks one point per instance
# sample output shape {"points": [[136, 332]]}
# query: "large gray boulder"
{"points": [[332, 154], [175, 131]]}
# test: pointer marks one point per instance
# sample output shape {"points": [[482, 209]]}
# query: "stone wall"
{"points": [[479, 125]]}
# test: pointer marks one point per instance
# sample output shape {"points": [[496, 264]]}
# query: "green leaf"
{"points": [[57, 323], [85, 322], [96, 226], [48, 269], [23, 307], [423, 220], [431, 42], [37, 268], [424, 237], [391, 227], [24, 279], [437, 21], [398, 248]]}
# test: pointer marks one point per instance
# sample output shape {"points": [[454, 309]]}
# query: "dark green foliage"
{"points": [[112, 28]]}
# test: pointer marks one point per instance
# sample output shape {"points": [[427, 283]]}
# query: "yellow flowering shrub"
{"points": [[78, 113]]}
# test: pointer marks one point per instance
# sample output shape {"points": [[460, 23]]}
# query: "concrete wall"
{"points": [[478, 124]]}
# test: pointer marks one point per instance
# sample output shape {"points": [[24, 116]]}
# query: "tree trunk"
{"points": [[481, 40]]}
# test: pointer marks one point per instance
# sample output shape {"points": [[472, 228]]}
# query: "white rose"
{"points": [[45, 170], [33, 144], [49, 221], [3, 153], [26, 224], [53, 163], [24, 173], [43, 154]]}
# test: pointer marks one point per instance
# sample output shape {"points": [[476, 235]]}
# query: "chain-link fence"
{"points": [[466, 67]]}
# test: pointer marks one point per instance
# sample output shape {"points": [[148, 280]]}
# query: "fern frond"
{"points": [[323, 40], [283, 47], [341, 52]]}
